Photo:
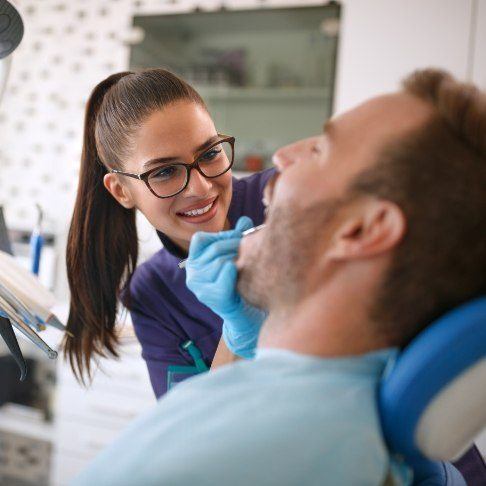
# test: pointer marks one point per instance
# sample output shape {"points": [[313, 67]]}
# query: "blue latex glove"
{"points": [[211, 274]]}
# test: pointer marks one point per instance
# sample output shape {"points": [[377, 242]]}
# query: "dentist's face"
{"points": [[310, 199], [179, 132]]}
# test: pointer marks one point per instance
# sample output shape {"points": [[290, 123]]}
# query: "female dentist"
{"points": [[150, 144]]}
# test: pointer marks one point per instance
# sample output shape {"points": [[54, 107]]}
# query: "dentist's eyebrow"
{"points": [[167, 160]]}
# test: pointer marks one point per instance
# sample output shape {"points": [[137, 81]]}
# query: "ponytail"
{"points": [[102, 245], [102, 251]]}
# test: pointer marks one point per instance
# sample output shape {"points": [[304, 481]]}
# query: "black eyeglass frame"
{"points": [[144, 176]]}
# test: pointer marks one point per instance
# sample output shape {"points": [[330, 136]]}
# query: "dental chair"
{"points": [[433, 400]]}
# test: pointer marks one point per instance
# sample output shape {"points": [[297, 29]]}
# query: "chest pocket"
{"points": [[176, 373]]}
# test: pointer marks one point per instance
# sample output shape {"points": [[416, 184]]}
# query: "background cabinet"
{"points": [[266, 75]]}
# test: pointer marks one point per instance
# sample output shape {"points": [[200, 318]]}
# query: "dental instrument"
{"points": [[8, 335], [182, 263], [16, 321]]}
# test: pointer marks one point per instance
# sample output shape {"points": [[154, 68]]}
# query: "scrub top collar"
{"points": [[171, 247]]}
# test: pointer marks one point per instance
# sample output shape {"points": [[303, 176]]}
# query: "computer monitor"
{"points": [[5, 244]]}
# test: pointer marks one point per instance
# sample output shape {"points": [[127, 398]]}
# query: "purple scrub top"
{"points": [[165, 313]]}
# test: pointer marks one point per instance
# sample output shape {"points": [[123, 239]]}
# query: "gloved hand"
{"points": [[211, 274]]}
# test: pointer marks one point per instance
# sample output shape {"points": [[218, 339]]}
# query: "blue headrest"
{"points": [[433, 401]]}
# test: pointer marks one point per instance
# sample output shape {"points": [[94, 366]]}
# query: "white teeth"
{"points": [[198, 212]]}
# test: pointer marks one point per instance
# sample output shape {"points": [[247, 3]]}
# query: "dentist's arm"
{"points": [[212, 275], [223, 356]]}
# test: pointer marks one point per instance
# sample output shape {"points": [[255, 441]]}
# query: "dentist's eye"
{"points": [[211, 154]]}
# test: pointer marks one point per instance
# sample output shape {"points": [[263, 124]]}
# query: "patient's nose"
{"points": [[284, 157]]}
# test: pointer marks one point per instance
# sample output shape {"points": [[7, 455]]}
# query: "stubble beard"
{"points": [[275, 273]]}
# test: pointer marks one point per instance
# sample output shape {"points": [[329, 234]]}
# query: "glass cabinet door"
{"points": [[266, 75]]}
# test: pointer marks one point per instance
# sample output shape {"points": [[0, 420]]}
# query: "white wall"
{"points": [[383, 40], [479, 46]]}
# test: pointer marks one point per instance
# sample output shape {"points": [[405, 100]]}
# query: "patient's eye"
{"points": [[315, 149]]}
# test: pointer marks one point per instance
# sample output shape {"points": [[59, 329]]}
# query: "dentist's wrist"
{"points": [[241, 344]]}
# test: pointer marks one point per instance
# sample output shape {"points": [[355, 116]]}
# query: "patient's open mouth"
{"points": [[268, 192], [253, 230]]}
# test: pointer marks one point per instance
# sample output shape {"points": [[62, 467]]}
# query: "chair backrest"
{"points": [[433, 400]]}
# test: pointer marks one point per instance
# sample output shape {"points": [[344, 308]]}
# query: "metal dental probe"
{"points": [[182, 263], [25, 329], [19, 306], [8, 335]]}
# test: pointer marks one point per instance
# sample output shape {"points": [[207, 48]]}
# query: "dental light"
{"points": [[11, 33]]}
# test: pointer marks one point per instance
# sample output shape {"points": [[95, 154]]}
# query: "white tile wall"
{"points": [[68, 47]]}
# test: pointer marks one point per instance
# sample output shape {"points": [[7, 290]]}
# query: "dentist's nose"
{"points": [[198, 184]]}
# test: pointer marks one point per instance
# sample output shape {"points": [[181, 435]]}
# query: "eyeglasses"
{"points": [[168, 180]]}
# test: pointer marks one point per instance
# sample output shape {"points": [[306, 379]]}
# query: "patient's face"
{"points": [[310, 199]]}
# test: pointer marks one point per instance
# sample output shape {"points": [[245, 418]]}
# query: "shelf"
{"points": [[25, 421], [280, 94]]}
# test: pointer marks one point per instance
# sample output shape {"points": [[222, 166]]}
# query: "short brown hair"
{"points": [[437, 176]]}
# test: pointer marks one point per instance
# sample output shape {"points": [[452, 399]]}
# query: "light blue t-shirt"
{"points": [[280, 419]]}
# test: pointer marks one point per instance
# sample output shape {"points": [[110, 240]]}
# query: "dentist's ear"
{"points": [[119, 191], [377, 227]]}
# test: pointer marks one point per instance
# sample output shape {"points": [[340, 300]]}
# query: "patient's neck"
{"points": [[333, 321]]}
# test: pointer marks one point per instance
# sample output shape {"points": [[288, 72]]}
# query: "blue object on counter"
{"points": [[36, 243]]}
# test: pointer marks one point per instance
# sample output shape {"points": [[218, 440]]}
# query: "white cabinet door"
{"points": [[384, 40]]}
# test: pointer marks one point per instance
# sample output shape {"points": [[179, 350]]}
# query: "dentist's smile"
{"points": [[201, 212]]}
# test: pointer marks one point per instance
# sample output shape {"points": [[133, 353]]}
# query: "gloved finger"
{"points": [[201, 239], [243, 224], [205, 276], [213, 252], [227, 277]]}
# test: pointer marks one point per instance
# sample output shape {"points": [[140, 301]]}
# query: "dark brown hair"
{"points": [[102, 246], [437, 175]]}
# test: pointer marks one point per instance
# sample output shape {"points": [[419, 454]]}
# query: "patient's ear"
{"points": [[118, 190], [376, 227]]}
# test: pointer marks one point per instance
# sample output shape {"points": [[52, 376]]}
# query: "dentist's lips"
{"points": [[208, 210]]}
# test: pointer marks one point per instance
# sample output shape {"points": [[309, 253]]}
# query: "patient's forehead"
{"points": [[362, 132]]}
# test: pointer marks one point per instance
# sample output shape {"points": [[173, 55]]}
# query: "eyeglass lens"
{"points": [[171, 179]]}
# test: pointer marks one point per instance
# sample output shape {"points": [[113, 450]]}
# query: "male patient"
{"points": [[375, 228]]}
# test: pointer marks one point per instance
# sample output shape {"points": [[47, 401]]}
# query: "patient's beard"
{"points": [[275, 272]]}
